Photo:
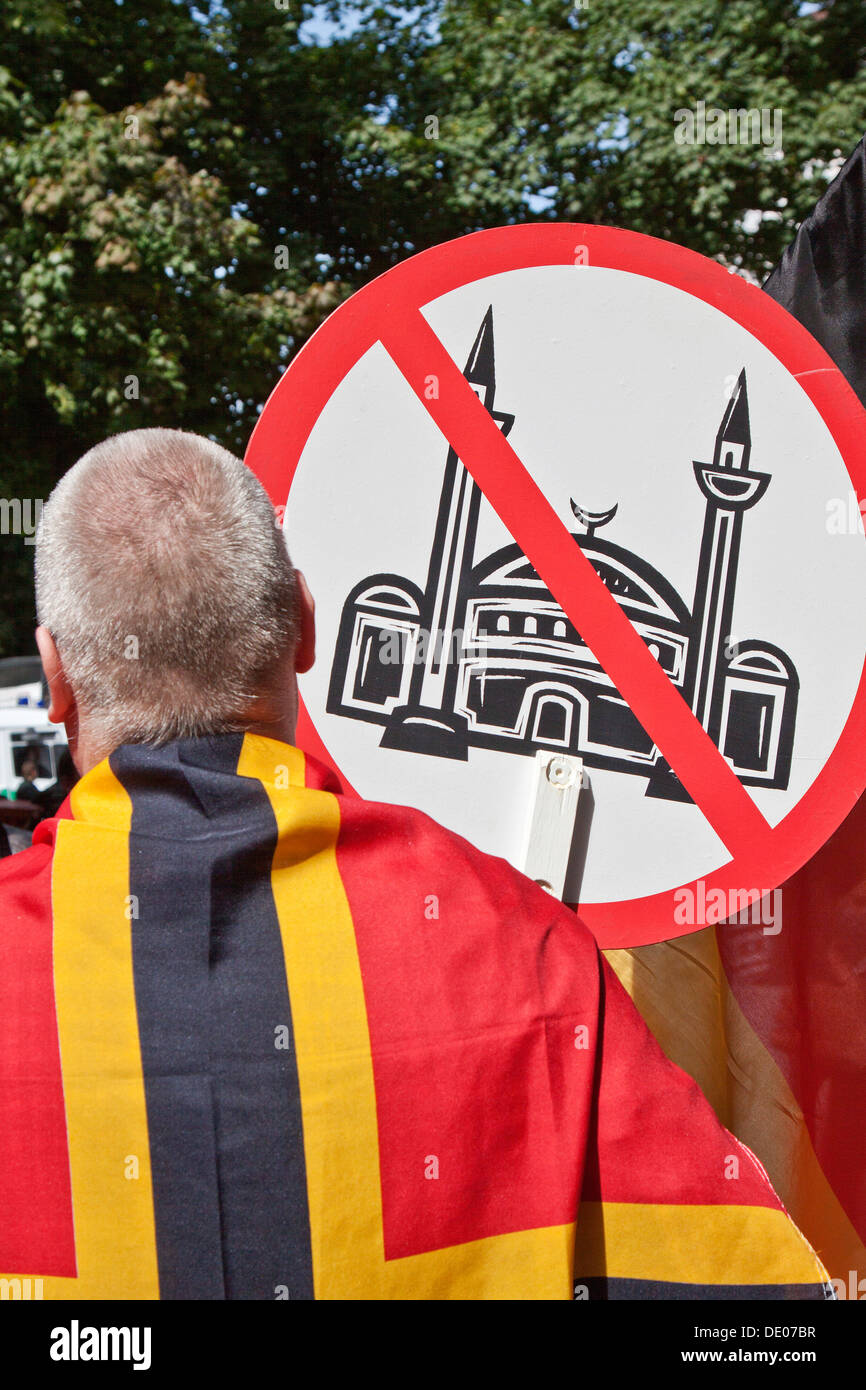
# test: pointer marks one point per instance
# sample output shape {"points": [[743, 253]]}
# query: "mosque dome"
{"points": [[640, 590]]}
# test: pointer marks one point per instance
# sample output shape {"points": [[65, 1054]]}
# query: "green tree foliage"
{"points": [[186, 190], [134, 287], [567, 112]]}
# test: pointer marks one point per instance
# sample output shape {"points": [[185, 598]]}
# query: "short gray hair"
{"points": [[165, 582]]}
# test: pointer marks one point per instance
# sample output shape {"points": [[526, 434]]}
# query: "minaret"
{"points": [[427, 723], [730, 490]]}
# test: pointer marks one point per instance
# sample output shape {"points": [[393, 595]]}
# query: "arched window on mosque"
{"points": [[502, 623], [560, 628], [530, 626]]}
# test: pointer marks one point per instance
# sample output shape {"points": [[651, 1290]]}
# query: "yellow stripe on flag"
{"points": [[103, 1087], [679, 1244], [335, 1070]]}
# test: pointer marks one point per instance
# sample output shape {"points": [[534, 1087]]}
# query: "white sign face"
{"points": [[707, 492]]}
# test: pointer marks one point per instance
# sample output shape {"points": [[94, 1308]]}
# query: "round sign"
{"points": [[572, 488]]}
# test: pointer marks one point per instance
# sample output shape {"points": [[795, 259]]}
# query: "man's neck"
{"points": [[88, 749]]}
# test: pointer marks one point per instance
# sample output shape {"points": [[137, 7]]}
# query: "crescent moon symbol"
{"points": [[592, 520]]}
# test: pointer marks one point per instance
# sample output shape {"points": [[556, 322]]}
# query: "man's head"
{"points": [[167, 603]]}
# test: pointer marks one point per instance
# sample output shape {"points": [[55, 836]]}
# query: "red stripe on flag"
{"points": [[36, 1230]]}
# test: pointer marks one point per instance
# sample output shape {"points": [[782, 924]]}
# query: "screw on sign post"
{"points": [[566, 489]]}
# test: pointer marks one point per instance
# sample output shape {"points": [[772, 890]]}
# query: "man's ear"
{"points": [[305, 652], [62, 709]]}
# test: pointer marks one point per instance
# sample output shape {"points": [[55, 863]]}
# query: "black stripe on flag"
{"points": [[600, 1288], [215, 1026]]}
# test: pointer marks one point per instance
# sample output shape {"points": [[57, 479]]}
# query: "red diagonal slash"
{"points": [[574, 583]]}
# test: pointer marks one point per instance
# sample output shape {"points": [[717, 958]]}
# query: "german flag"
{"points": [[261, 1041]]}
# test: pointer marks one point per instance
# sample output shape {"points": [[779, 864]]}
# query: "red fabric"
{"points": [[655, 1137], [473, 1016], [36, 1231], [804, 993]]}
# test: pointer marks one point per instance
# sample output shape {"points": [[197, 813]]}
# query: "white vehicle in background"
{"points": [[24, 727]]}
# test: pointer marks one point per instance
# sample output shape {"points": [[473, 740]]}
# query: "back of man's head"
{"points": [[166, 586]]}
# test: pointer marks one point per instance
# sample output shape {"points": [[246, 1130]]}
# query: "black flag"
{"points": [[821, 278]]}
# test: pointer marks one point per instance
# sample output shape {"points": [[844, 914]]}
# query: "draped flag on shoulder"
{"points": [[771, 1024], [262, 1041]]}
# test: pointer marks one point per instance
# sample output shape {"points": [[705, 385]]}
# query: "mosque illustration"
{"points": [[505, 668]]}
